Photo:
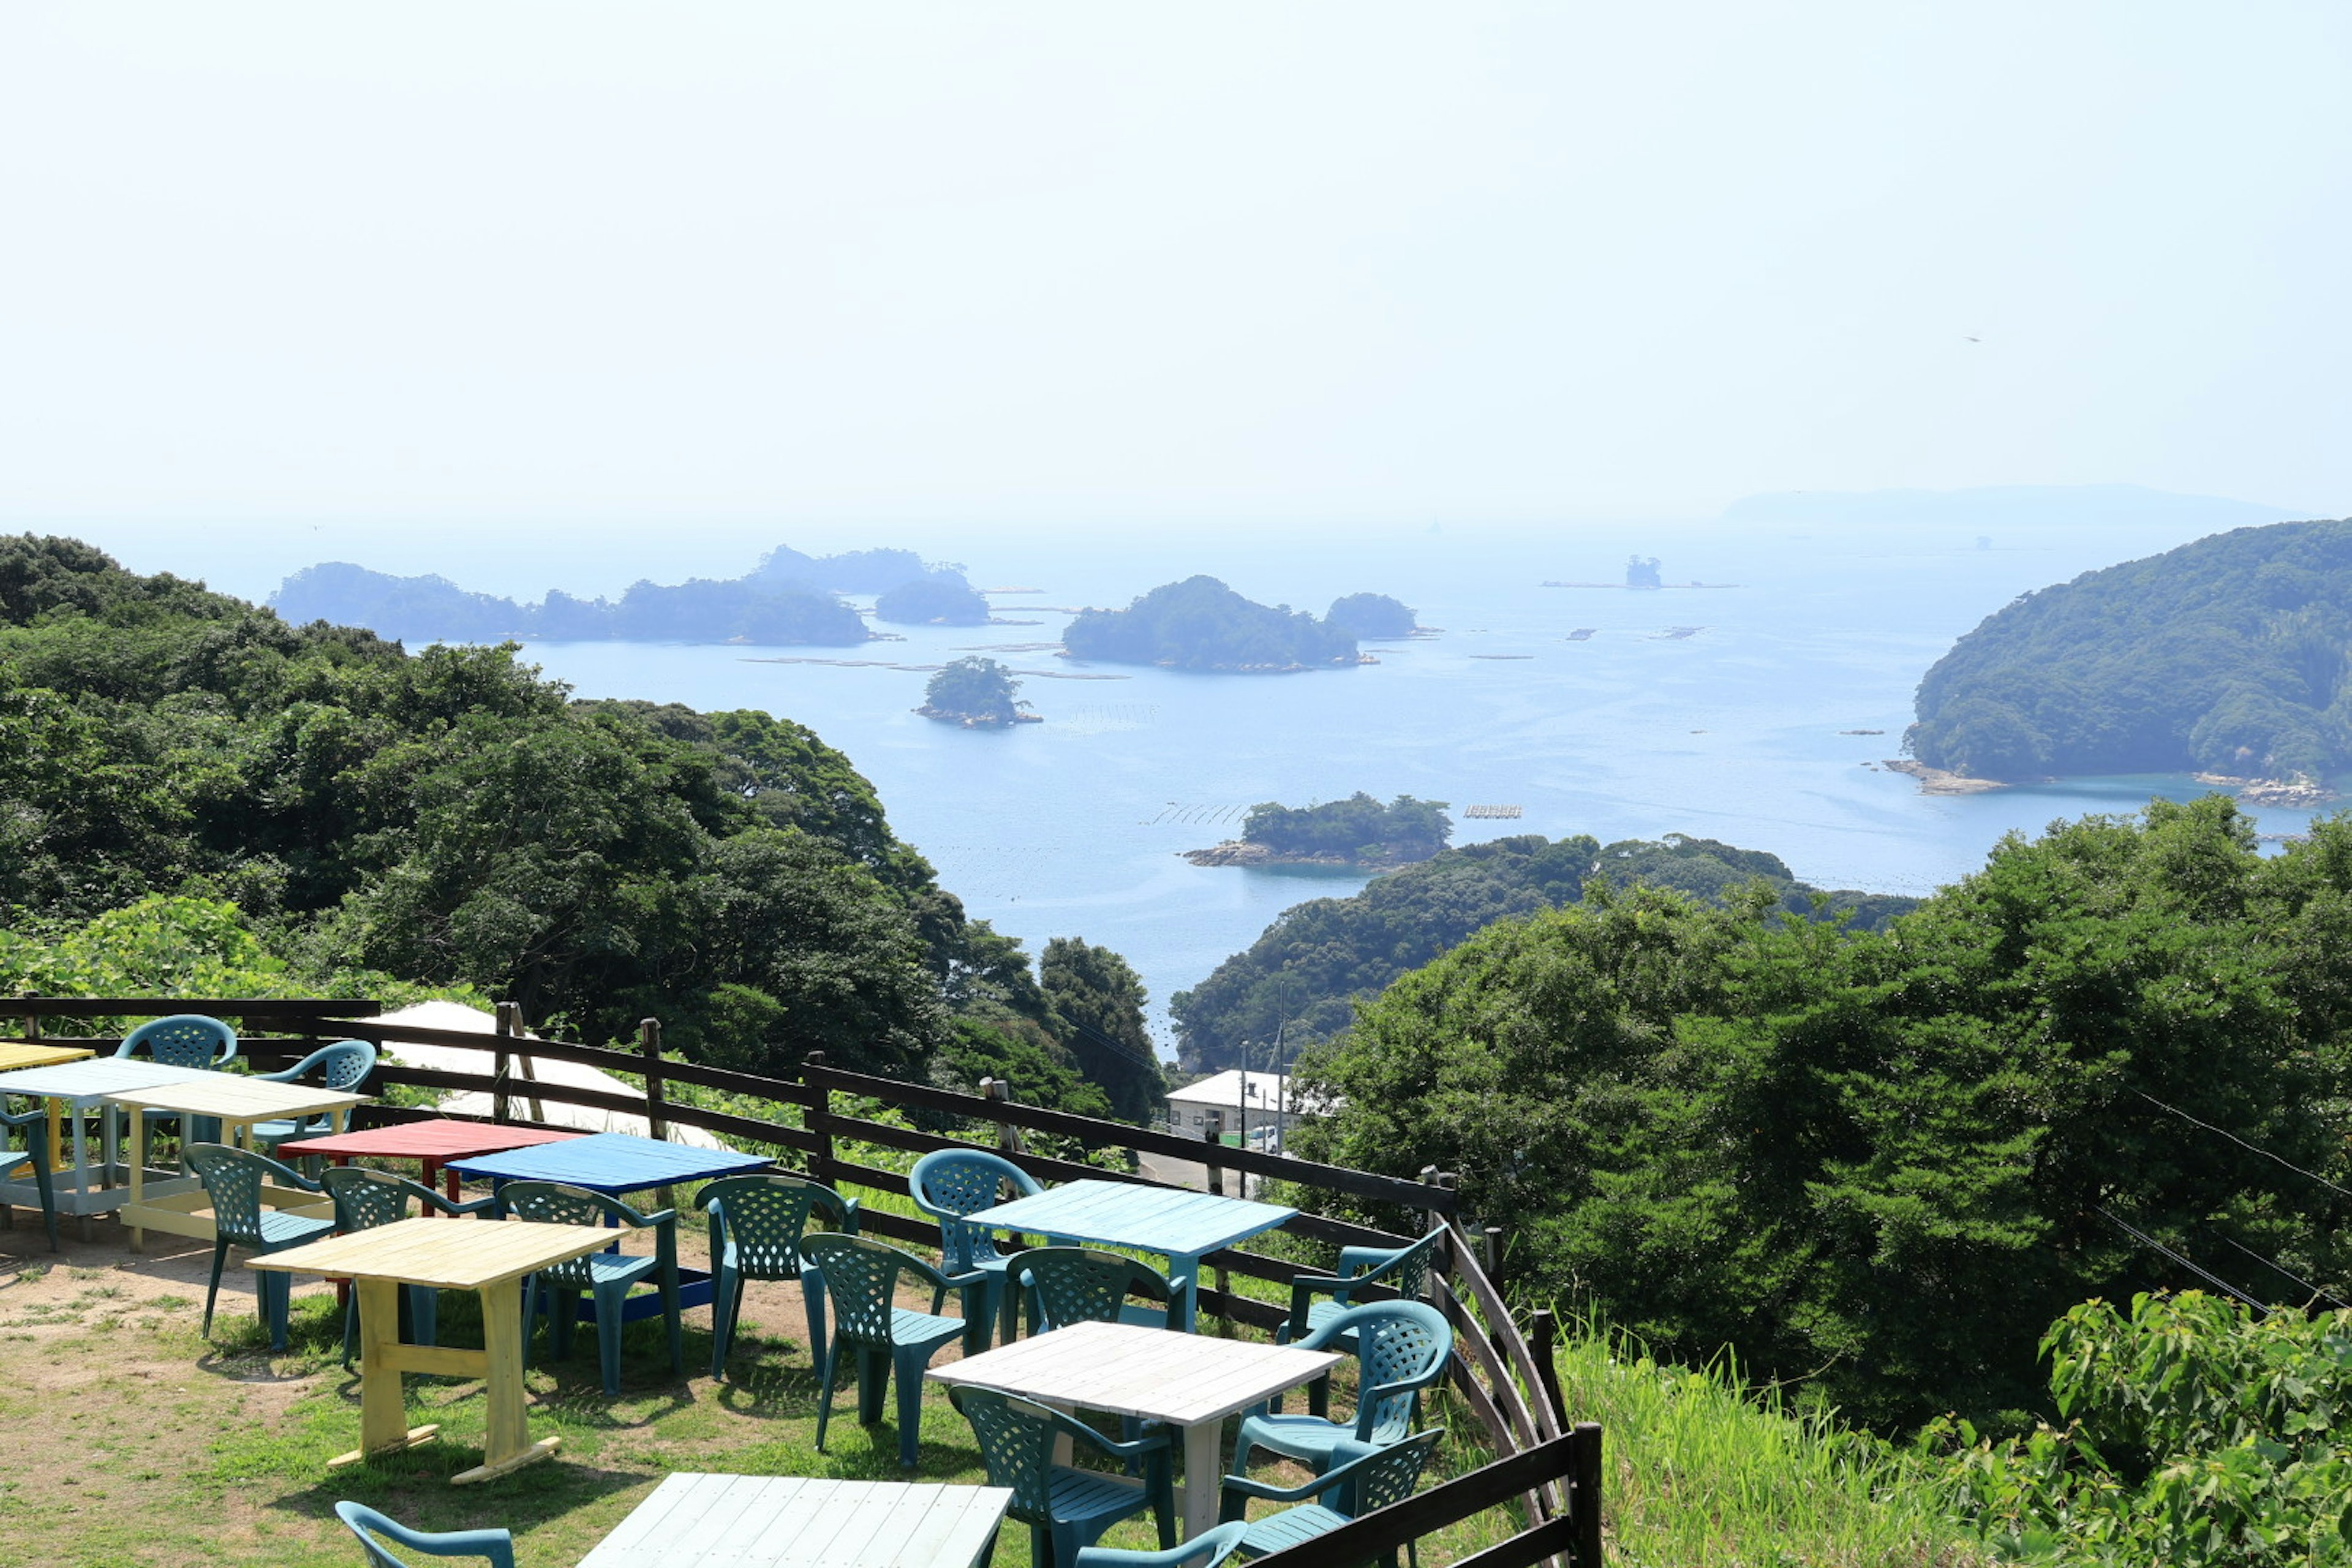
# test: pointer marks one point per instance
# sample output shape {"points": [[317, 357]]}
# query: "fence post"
{"points": [[1492, 1260], [503, 1064], [649, 1046], [1584, 1486], [820, 1120], [1008, 1137], [1212, 1135], [1547, 1341], [32, 1025]]}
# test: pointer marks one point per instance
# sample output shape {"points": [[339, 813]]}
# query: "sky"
{"points": [[1271, 263]]}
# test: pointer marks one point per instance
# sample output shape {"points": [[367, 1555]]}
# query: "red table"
{"points": [[436, 1143]]}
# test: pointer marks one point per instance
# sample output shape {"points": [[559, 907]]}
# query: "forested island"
{"points": [[2227, 656], [1357, 831], [195, 789], [976, 693], [1372, 616], [788, 599], [1199, 624]]}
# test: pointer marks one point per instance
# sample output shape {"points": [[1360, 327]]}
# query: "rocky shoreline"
{"points": [[1938, 781], [1240, 852], [2298, 791], [978, 720]]}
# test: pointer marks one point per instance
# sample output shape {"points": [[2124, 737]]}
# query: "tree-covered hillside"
{"points": [[1201, 623], [2229, 653], [449, 818], [434, 609], [1305, 974], [1356, 828]]}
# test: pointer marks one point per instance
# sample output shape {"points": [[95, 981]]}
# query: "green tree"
{"points": [[973, 687], [1098, 1003]]}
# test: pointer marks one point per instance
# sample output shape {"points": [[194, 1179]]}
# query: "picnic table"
{"points": [[433, 1143], [696, 1521], [1190, 1381], [1185, 1226], [75, 1087], [178, 1206], [488, 1256]]}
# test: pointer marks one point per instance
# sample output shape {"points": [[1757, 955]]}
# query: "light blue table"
{"points": [[1183, 1226]]}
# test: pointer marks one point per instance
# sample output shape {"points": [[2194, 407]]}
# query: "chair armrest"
{"points": [[1205, 1549], [486, 1204], [1239, 1490], [647, 1221], [1303, 1289], [498, 1545], [1362, 1263]]}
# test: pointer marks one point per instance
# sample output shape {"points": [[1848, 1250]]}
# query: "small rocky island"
{"points": [[976, 693], [1357, 831], [1199, 624]]}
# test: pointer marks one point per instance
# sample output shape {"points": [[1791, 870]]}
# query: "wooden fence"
{"points": [[1550, 1470]]}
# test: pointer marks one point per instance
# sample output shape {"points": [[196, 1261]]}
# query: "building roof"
{"points": [[1236, 1088]]}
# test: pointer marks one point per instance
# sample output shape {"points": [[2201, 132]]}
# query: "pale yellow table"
{"points": [[489, 1257], [179, 1208]]}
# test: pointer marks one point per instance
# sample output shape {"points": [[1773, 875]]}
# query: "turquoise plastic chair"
{"points": [[1065, 1508], [343, 1066], [607, 1276], [1362, 1478], [181, 1040], [374, 1529], [36, 1123], [756, 1226], [233, 1180], [1404, 1270], [1066, 1285], [1401, 1349], [949, 1183], [365, 1199], [861, 1283], [1206, 1550]]}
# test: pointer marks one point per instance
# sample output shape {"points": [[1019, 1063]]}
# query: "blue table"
{"points": [[1184, 1226], [619, 1163]]}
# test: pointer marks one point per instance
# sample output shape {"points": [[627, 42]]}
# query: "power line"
{"points": [[2208, 1275], [2298, 1170], [2299, 1283]]}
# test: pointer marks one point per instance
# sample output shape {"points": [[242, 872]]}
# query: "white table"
{"points": [[1183, 1226], [74, 1089], [799, 1521], [1187, 1380]]}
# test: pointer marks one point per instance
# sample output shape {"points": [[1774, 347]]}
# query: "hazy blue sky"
{"points": [[1303, 262]]}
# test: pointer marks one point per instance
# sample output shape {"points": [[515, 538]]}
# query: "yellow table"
{"points": [[14, 1054], [178, 1206], [489, 1256]]}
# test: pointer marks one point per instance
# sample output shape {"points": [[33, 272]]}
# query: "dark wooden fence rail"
{"points": [[1551, 1471]]}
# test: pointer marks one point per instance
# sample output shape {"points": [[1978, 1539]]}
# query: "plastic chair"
{"points": [[605, 1275], [36, 1123], [1206, 1550], [1362, 1477], [1066, 1285], [365, 1199], [756, 1226], [495, 1545], [1065, 1508], [949, 1183], [861, 1282], [181, 1040], [344, 1065], [1404, 1270], [233, 1180], [1401, 1349]]}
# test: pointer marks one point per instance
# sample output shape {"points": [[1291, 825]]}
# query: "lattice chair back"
{"points": [[233, 1180], [1410, 1278], [553, 1203], [764, 1219], [1016, 1443], [364, 1198], [1387, 1473], [1396, 1343], [182, 1040], [1086, 1285], [861, 1279], [949, 1183], [341, 1066]]}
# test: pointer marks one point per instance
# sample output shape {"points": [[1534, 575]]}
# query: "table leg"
{"points": [[138, 1173], [1205, 1472], [433, 1168], [506, 1444], [1188, 1308], [384, 1415]]}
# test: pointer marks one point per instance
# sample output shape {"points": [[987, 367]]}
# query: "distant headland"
{"points": [[1357, 831], [1199, 624]]}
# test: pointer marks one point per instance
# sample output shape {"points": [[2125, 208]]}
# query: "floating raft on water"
{"points": [[1509, 813], [1583, 634]]}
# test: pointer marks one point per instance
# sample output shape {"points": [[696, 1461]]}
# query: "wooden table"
{"points": [[74, 1089], [14, 1054], [179, 1206], [1184, 1226], [489, 1257], [798, 1521], [1191, 1381], [433, 1143]]}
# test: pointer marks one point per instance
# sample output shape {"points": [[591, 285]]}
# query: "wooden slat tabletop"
{"points": [[799, 1521], [1127, 1213], [1148, 1372], [97, 1078], [610, 1162], [25, 1054], [441, 1139], [459, 1255], [234, 1098]]}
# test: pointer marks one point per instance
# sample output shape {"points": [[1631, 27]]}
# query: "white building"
{"points": [[1260, 1106]]}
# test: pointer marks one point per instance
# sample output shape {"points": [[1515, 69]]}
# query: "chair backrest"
{"points": [[181, 1040], [1397, 1342], [1085, 1284], [233, 1180], [1016, 1443], [1383, 1473], [947, 1182], [760, 1220], [365, 1199], [341, 1066], [493, 1546], [553, 1203], [861, 1282], [1409, 1267]]}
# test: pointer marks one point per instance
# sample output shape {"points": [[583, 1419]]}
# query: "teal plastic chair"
{"points": [[1362, 1478], [1401, 1349], [181, 1040], [607, 1276], [949, 1183], [1206, 1550], [1065, 1508], [861, 1284], [1066, 1285], [343, 1066], [36, 1154], [233, 1180], [1404, 1270], [365, 1199], [756, 1227], [495, 1546]]}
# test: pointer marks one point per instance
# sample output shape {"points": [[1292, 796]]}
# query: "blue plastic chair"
{"points": [[607, 1276], [343, 1066], [1066, 1285], [365, 1199], [1401, 1349], [1065, 1508], [181, 1040], [233, 1180], [861, 1283], [1362, 1478], [496, 1546], [949, 1183], [1206, 1550], [1404, 1270], [756, 1227], [36, 1123]]}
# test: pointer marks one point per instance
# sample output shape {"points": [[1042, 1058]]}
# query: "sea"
{"points": [[1755, 699]]}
